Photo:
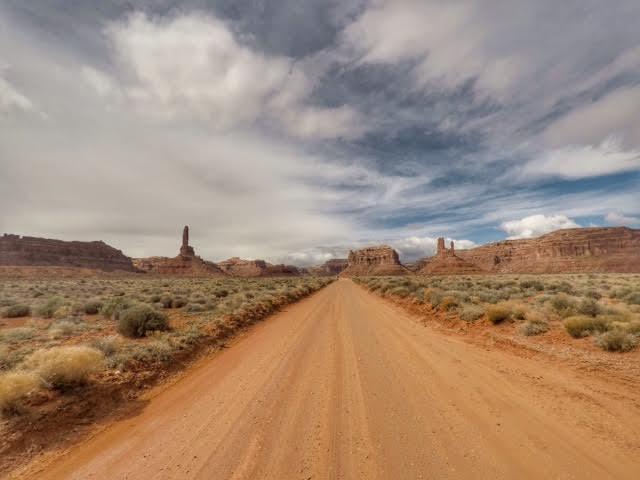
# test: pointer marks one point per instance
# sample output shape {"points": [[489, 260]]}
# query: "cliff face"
{"points": [[576, 250], [238, 267], [34, 251], [335, 266], [373, 261]]}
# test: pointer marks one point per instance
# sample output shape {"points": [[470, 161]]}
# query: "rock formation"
{"points": [[374, 261], [575, 250], [186, 263], [335, 266], [33, 251], [237, 267], [446, 262]]}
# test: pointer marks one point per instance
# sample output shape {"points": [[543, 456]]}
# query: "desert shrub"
{"points": [[63, 328], [63, 311], [471, 313], [579, 326], [92, 307], [16, 311], [596, 295], [62, 366], [136, 321], [156, 299], [498, 313], [18, 334], [534, 327], [563, 305], [14, 386], [155, 351], [49, 308], [178, 302], [113, 306], [195, 308], [518, 311], [107, 345], [448, 303], [633, 298], [532, 284], [617, 341], [166, 301], [589, 307]]}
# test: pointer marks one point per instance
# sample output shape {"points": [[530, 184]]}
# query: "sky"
{"points": [[293, 130]]}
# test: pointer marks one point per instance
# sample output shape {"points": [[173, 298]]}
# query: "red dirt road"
{"points": [[345, 385]]}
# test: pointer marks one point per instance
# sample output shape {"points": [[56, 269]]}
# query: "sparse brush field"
{"points": [[605, 307], [58, 336]]}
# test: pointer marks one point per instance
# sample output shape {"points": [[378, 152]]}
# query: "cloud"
{"points": [[193, 65], [11, 100], [536, 225], [615, 113], [584, 161], [617, 219]]}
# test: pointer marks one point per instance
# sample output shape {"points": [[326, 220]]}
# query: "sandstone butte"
{"points": [[575, 250], [17, 251], [373, 261], [238, 267], [186, 263], [335, 266]]}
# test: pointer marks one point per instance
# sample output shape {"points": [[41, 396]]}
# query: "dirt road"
{"points": [[345, 385]]}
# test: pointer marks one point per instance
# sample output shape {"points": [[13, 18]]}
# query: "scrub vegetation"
{"points": [[605, 307], [61, 334]]}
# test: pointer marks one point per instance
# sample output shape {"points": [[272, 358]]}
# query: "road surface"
{"points": [[346, 385]]}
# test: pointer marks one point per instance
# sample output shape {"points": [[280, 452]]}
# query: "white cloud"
{"points": [[615, 113], [613, 218], [193, 65], [536, 225], [12, 100], [584, 161]]}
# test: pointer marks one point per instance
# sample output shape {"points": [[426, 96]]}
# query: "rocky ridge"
{"points": [[575, 250], [17, 251], [238, 267], [374, 261]]}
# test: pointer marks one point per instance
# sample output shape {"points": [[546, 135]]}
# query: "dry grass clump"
{"points": [[534, 327], [16, 311], [498, 313], [13, 387], [136, 321], [471, 313], [617, 340], [16, 335], [580, 326], [63, 366]]}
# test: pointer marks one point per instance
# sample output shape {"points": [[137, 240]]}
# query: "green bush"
{"points": [[114, 306], [580, 326], [49, 308], [136, 321], [16, 311], [617, 341], [498, 313]]}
